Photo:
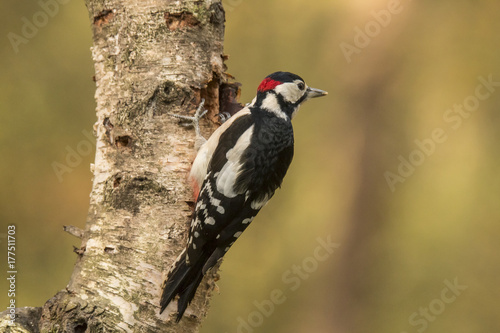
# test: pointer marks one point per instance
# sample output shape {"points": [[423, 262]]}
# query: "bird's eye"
{"points": [[301, 85]]}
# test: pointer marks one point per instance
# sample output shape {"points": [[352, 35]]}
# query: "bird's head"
{"points": [[283, 92]]}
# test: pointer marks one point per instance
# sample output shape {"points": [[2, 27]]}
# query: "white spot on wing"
{"points": [[210, 220], [247, 221], [237, 234], [215, 202]]}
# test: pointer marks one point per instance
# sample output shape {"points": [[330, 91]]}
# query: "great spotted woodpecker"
{"points": [[235, 173]]}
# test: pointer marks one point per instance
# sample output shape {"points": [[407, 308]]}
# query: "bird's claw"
{"points": [[193, 120]]}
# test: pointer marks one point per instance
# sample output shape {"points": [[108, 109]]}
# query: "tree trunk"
{"points": [[151, 58]]}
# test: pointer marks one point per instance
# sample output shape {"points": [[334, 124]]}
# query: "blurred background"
{"points": [[388, 220]]}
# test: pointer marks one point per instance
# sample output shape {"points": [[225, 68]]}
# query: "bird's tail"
{"points": [[183, 280]]}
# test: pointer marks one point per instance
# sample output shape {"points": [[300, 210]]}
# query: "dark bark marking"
{"points": [[79, 251], [180, 20], [109, 129], [123, 141], [72, 314], [168, 94], [103, 17], [109, 249], [117, 181], [81, 328], [133, 192], [218, 16]]}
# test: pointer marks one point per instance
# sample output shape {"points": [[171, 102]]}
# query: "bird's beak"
{"points": [[313, 92]]}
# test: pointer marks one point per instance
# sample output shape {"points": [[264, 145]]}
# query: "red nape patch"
{"points": [[268, 84]]}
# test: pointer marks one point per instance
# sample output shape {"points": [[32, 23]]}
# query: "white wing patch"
{"points": [[200, 164], [231, 170]]}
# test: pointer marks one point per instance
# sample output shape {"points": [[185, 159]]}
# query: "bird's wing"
{"points": [[201, 163]]}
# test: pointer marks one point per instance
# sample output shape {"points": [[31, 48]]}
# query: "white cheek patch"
{"points": [[270, 103], [231, 170], [290, 92]]}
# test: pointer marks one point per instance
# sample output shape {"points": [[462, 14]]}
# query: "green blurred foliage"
{"points": [[440, 224]]}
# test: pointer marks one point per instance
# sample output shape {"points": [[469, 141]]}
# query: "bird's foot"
{"points": [[194, 121]]}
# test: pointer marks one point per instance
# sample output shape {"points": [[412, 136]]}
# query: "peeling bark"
{"points": [[151, 58]]}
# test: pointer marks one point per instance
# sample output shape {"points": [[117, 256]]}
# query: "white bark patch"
{"points": [[127, 311], [94, 244]]}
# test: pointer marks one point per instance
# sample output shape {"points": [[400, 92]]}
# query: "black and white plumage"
{"points": [[237, 170]]}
